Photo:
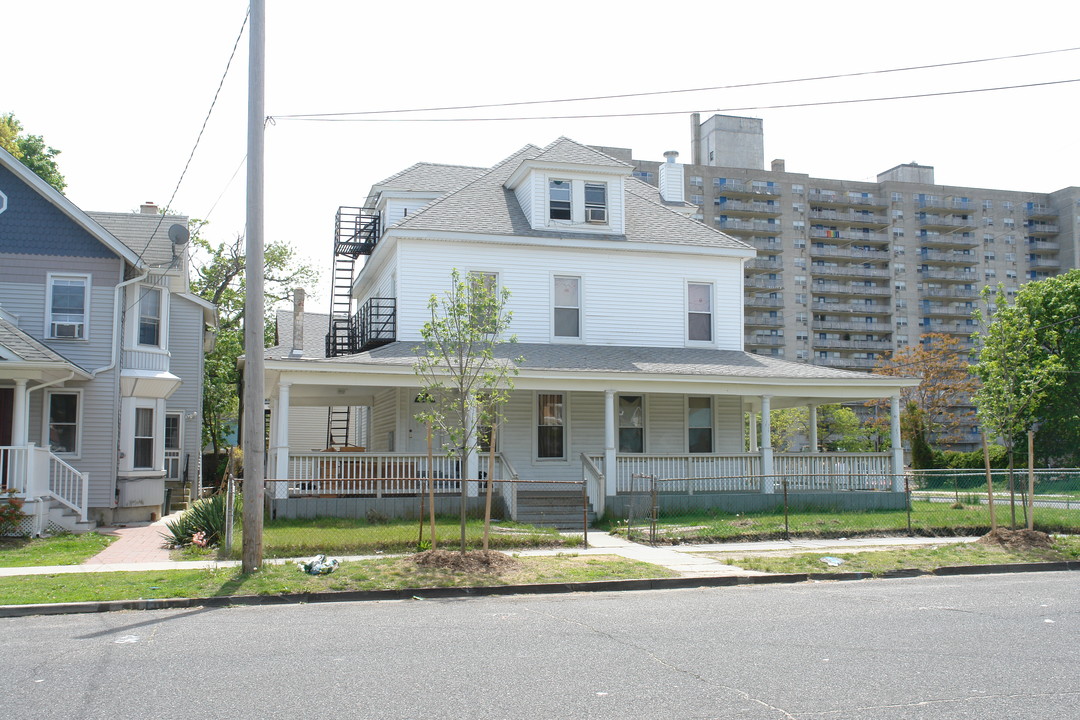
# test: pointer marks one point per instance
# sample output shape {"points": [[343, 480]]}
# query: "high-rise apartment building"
{"points": [[849, 271]]}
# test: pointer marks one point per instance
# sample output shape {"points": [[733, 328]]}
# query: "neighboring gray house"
{"points": [[101, 357]]}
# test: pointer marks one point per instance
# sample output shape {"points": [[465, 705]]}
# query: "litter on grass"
{"points": [[832, 561], [318, 565]]}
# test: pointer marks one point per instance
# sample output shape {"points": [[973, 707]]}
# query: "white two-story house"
{"points": [[101, 357], [628, 314]]}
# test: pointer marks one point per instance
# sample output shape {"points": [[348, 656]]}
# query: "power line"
{"points": [[311, 118], [202, 129], [686, 90]]}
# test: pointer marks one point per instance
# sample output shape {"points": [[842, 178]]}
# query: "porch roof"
{"points": [[22, 356], [662, 369]]}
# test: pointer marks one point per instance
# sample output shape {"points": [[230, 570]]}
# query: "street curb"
{"points": [[434, 593]]}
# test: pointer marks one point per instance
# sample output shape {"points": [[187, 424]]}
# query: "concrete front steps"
{"points": [[552, 508]]}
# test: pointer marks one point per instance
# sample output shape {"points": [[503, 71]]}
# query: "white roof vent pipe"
{"points": [[671, 179]]}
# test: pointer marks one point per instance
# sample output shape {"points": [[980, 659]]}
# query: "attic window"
{"points": [[595, 203], [559, 194]]}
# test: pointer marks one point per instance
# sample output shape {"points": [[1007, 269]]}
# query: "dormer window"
{"points": [[595, 203], [559, 198]]}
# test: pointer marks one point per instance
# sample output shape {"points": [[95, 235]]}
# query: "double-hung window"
{"points": [[699, 319], [566, 321], [68, 302], [559, 199], [150, 316], [550, 426], [631, 424], [699, 422], [596, 203], [63, 422], [144, 438]]}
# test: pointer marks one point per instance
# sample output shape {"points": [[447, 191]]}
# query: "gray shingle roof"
{"points": [[28, 348], [565, 150], [135, 229], [316, 326], [431, 177], [485, 206]]}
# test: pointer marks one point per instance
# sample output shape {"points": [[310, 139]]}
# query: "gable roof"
{"points": [[565, 150], [68, 208], [430, 177], [144, 234], [485, 206], [30, 351]]}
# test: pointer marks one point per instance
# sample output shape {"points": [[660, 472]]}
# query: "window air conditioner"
{"points": [[67, 330], [596, 215]]}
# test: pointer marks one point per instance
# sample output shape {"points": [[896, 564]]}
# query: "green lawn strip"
{"points": [[927, 519], [346, 536], [57, 550], [886, 560], [378, 574]]}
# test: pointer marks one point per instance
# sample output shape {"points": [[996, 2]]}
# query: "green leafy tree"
{"points": [[218, 276], [31, 151], [457, 366], [839, 429]]}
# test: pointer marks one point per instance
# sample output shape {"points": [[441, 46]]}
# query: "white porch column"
{"points": [[280, 440], [753, 431], [19, 417], [897, 446], [813, 427], [610, 484], [766, 445], [472, 464]]}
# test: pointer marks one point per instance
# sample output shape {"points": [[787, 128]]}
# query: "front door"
{"points": [[173, 466], [417, 440]]}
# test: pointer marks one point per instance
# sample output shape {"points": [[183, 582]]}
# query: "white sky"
{"points": [[122, 87]]}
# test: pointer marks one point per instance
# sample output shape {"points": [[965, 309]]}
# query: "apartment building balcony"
{"points": [[749, 208], [950, 328], [950, 275], [945, 311], [1041, 229], [1043, 246], [943, 222], [764, 283], [945, 204], [757, 227], [846, 363], [851, 217], [948, 240], [764, 302], [739, 187], [1044, 262], [763, 340], [874, 327], [816, 197], [838, 344], [831, 234], [849, 271], [862, 308], [1040, 211], [846, 289], [766, 244], [761, 263], [764, 320], [948, 258], [846, 251], [952, 291]]}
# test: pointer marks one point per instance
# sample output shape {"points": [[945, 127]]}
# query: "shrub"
{"points": [[205, 518], [11, 512]]}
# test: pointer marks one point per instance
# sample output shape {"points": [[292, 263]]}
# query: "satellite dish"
{"points": [[179, 234]]}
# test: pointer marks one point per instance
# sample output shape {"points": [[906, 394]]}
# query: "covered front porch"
{"points": [[696, 419]]}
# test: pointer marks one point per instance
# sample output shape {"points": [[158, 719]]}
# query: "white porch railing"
{"points": [[741, 472], [379, 474], [34, 472]]}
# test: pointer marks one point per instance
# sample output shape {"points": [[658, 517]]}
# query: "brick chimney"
{"points": [[298, 323], [148, 208]]}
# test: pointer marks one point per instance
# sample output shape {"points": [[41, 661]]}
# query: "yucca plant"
{"points": [[206, 516]]}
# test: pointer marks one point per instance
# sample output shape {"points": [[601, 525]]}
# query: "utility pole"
{"points": [[254, 319]]}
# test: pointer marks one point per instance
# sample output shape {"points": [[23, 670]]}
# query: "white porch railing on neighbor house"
{"points": [[34, 472], [741, 472], [379, 474]]}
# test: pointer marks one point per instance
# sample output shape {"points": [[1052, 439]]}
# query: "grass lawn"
{"points": [[346, 536], [57, 550], [377, 574], [920, 558], [927, 519]]}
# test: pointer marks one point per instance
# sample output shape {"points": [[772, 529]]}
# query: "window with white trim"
{"points": [[631, 423], [143, 457], [559, 199], [699, 424], [566, 320], [63, 422], [550, 426], [68, 306], [699, 316], [596, 210], [150, 316]]}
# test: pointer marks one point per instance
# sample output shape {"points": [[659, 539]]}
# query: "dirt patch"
{"points": [[1017, 539], [745, 522], [470, 561]]}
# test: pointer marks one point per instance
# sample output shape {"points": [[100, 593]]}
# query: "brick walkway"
{"points": [[135, 544]]}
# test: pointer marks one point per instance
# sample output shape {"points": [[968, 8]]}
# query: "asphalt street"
{"points": [[998, 646]]}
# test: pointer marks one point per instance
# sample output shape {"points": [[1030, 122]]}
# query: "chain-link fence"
{"points": [[673, 510]]}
